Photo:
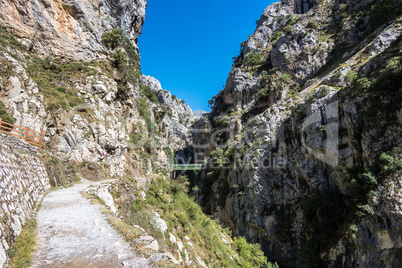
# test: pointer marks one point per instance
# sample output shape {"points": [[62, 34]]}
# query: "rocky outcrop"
{"points": [[70, 29], [23, 180], [302, 6], [77, 94], [300, 137]]}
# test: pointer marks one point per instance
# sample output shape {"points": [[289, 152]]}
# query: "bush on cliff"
{"points": [[113, 38]]}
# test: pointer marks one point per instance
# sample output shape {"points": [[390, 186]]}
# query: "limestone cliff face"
{"points": [[58, 77], [302, 6], [71, 29], [301, 133]]}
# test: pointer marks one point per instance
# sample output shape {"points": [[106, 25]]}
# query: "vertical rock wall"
{"points": [[23, 179], [302, 6]]}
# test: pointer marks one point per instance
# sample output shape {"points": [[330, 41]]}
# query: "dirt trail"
{"points": [[72, 232]]}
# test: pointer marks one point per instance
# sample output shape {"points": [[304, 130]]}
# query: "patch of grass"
{"points": [[129, 232], [54, 81], [8, 40], [21, 251]]}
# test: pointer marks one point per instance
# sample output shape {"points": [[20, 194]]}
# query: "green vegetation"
{"points": [[125, 59], [253, 58], [222, 122], [263, 94], [312, 24], [383, 11], [288, 29], [8, 40], [20, 252], [351, 77], [49, 75], [5, 117], [294, 90], [281, 82], [113, 38], [147, 92], [251, 254], [184, 217], [391, 162], [363, 83], [276, 36]]}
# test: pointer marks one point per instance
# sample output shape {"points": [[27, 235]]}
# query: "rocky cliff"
{"points": [[70, 29], [305, 155], [71, 69]]}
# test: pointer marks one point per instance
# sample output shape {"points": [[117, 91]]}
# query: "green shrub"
{"points": [[363, 209], [137, 206], [363, 83], [393, 66], [149, 94], [351, 77], [119, 57], [294, 90], [253, 58], [113, 38], [391, 161], [284, 78], [263, 94], [288, 29], [250, 254], [312, 24], [223, 122], [276, 36], [369, 178], [324, 91], [49, 75]]}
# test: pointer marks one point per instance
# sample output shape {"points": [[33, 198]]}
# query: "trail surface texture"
{"points": [[72, 232]]}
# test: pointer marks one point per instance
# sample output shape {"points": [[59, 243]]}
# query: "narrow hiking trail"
{"points": [[72, 232]]}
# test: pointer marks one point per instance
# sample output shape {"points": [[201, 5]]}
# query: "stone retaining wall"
{"points": [[23, 180], [18, 143]]}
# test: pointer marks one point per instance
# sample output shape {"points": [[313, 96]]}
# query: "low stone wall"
{"points": [[18, 143], [23, 179]]}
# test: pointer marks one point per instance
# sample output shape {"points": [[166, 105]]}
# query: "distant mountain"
{"points": [[199, 113]]}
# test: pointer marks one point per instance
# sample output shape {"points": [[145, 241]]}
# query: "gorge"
{"points": [[301, 150]]}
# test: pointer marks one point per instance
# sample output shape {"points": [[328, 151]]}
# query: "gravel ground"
{"points": [[72, 232]]}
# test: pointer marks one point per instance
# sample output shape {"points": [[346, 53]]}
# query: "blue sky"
{"points": [[188, 45]]}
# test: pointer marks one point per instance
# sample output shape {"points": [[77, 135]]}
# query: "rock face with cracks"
{"points": [[302, 130]]}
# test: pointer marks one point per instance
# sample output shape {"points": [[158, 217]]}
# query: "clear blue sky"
{"points": [[188, 45]]}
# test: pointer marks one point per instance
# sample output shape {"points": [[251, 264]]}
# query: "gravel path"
{"points": [[72, 232]]}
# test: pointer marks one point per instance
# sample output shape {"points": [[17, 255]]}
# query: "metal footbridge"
{"points": [[175, 167]]}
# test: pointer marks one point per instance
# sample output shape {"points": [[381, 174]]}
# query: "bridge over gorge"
{"points": [[183, 167]]}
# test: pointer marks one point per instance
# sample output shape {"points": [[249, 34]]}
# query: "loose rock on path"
{"points": [[72, 232]]}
